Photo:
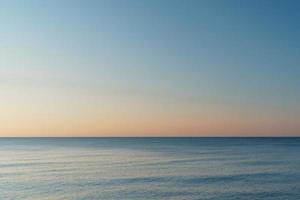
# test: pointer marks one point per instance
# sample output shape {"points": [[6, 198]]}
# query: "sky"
{"points": [[149, 68]]}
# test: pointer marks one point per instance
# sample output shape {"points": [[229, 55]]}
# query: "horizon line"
{"points": [[107, 137]]}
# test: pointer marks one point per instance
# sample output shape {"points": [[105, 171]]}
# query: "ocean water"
{"points": [[149, 168]]}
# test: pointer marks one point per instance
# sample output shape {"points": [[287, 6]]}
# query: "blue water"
{"points": [[149, 168]]}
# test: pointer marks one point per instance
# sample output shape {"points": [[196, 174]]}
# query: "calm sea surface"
{"points": [[149, 168]]}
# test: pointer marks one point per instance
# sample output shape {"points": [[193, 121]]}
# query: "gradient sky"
{"points": [[149, 68]]}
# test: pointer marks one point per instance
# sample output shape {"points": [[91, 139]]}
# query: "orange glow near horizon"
{"points": [[108, 116]]}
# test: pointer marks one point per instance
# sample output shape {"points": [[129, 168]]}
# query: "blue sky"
{"points": [[200, 59]]}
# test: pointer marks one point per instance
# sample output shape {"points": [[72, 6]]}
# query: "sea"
{"points": [[149, 168]]}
